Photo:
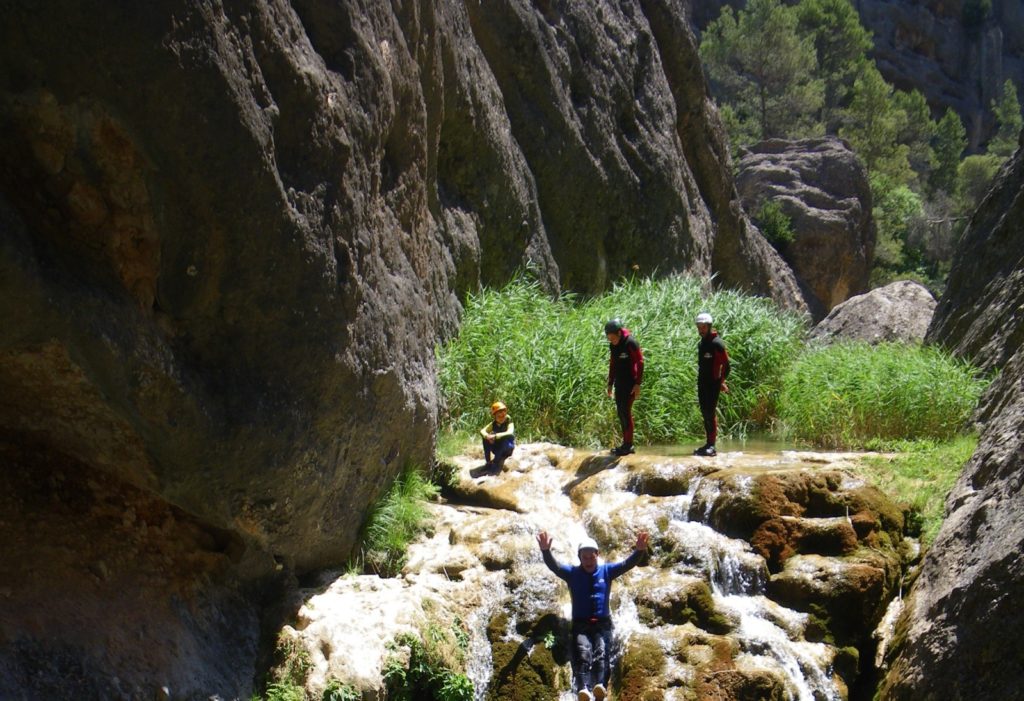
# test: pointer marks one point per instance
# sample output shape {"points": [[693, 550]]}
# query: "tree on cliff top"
{"points": [[841, 44], [764, 71]]}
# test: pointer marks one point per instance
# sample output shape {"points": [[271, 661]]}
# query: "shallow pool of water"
{"points": [[754, 443]]}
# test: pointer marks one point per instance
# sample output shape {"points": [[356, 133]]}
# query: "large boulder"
{"points": [[959, 635], [900, 311], [822, 187]]}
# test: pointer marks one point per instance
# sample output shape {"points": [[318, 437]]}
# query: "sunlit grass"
{"points": [[920, 476], [393, 523], [848, 394], [548, 360]]}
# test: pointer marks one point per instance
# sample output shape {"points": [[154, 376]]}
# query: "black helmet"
{"points": [[613, 326]]}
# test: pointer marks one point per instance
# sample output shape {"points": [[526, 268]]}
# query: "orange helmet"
{"points": [[498, 406]]}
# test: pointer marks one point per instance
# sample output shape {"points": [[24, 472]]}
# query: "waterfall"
{"points": [[701, 592]]}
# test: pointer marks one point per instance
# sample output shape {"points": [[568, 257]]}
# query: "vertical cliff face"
{"points": [[230, 236], [960, 632], [956, 54]]}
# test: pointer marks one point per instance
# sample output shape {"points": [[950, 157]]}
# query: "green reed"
{"points": [[849, 394], [548, 360]]}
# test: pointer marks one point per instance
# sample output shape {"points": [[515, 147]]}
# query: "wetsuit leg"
{"points": [[503, 450], [624, 406], [707, 397], [583, 658], [488, 449], [602, 655]]}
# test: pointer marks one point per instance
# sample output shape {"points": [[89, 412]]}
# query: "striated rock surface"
{"points": [[230, 236], [961, 623], [823, 188], [956, 55], [900, 311], [979, 315], [710, 615]]}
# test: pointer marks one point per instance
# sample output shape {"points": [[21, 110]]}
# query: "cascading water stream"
{"points": [[702, 601]]}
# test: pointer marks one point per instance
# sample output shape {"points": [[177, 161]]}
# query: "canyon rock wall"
{"points": [[231, 235], [959, 631]]}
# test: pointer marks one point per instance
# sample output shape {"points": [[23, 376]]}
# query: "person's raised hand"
{"points": [[641, 540], [544, 540]]}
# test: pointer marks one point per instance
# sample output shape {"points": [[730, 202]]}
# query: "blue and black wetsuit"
{"points": [[591, 615]]}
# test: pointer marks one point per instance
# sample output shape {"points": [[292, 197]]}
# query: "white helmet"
{"points": [[704, 318], [587, 544]]}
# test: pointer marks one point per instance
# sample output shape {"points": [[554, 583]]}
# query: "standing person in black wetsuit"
{"points": [[625, 373], [590, 587], [712, 369]]}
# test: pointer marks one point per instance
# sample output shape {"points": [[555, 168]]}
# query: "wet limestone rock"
{"points": [[697, 619], [823, 188], [962, 618], [898, 312]]}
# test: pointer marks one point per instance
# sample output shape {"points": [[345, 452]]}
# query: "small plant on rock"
{"points": [[775, 225], [429, 666]]}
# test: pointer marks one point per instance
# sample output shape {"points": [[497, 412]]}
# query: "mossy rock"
{"points": [[749, 498], [778, 539], [661, 479], [846, 595], [641, 670], [527, 670], [680, 600], [742, 685]]}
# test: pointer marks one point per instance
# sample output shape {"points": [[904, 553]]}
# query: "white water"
{"points": [[481, 560]]}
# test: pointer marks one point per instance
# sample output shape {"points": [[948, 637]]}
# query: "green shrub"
{"points": [[845, 395], [394, 521], [548, 360], [774, 224], [336, 690], [435, 670]]}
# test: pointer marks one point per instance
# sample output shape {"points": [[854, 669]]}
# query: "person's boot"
{"points": [[708, 451], [624, 449], [600, 693], [585, 695], [701, 450]]}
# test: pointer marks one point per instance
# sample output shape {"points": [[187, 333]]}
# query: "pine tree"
{"points": [[950, 142], [917, 132], [1008, 117], [841, 44], [874, 125], [763, 70]]}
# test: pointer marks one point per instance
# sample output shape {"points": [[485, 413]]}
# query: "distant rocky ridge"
{"points": [[933, 46]]}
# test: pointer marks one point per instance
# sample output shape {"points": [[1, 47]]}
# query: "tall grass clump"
{"points": [[548, 360], [849, 394], [393, 522]]}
